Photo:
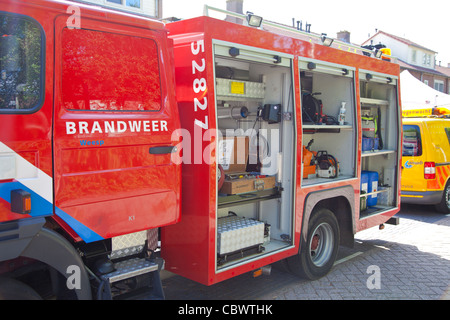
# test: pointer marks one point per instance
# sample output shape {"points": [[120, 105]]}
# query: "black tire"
{"points": [[11, 289], [317, 254], [444, 205]]}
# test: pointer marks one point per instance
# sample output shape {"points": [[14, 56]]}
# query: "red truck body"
{"points": [[114, 125]]}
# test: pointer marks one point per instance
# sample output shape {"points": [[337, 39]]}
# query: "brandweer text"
{"points": [[84, 127]]}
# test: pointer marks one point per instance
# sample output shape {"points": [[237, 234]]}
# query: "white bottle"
{"points": [[342, 114]]}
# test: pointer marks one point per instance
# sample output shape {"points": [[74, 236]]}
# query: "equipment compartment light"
{"points": [[378, 53], [326, 41], [253, 20]]}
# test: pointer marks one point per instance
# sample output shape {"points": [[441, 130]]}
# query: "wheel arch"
{"points": [[340, 201], [443, 205], [31, 239], [54, 250]]}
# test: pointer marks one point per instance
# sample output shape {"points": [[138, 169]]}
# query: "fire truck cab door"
{"points": [[114, 115]]}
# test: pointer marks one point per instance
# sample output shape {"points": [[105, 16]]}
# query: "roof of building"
{"points": [[405, 65], [444, 70], [406, 41]]}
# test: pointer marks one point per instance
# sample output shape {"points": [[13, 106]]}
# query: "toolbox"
{"points": [[245, 182], [238, 234]]}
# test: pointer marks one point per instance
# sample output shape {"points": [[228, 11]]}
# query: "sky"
{"points": [[423, 22]]}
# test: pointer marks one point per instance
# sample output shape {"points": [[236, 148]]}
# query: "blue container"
{"points": [[364, 181], [364, 189], [369, 144], [375, 143], [371, 178], [366, 144]]}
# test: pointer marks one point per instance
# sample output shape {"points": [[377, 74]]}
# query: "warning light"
{"points": [[20, 201]]}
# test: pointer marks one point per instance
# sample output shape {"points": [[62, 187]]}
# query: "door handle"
{"points": [[163, 150]]}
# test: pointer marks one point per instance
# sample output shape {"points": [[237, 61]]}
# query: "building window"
{"points": [[414, 56], [425, 81], [150, 8], [128, 3], [439, 85], [21, 64], [426, 59], [134, 3]]}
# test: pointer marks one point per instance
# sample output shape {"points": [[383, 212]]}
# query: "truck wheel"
{"points": [[318, 253], [444, 205], [11, 289]]}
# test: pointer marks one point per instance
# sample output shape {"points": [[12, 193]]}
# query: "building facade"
{"points": [[417, 59]]}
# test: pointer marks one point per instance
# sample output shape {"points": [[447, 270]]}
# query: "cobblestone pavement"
{"points": [[408, 261]]}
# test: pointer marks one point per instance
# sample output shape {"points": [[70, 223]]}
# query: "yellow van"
{"points": [[426, 161]]}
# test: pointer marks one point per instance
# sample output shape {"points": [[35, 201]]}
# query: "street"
{"points": [[410, 261]]}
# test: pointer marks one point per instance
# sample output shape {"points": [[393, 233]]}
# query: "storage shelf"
{"points": [[376, 152], [323, 126], [313, 128], [377, 102], [314, 181], [243, 198]]}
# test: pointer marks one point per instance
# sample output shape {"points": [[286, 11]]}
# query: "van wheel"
{"points": [[318, 253], [444, 205]]}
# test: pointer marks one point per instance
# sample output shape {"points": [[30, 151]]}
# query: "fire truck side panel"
{"points": [[189, 247], [380, 94], [113, 172], [107, 177], [25, 137]]}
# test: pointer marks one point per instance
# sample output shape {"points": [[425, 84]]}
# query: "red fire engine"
{"points": [[235, 147]]}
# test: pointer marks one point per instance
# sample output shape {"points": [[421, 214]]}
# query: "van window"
{"points": [[447, 131], [21, 64], [109, 72], [412, 142]]}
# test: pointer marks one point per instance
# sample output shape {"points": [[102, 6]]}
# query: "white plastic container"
{"points": [[342, 114]]}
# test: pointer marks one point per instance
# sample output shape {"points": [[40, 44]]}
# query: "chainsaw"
{"points": [[319, 163]]}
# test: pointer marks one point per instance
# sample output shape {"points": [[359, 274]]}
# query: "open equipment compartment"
{"points": [[328, 121], [254, 99], [380, 123], [231, 82]]}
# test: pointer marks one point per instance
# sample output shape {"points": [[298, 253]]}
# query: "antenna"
{"points": [[308, 27]]}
